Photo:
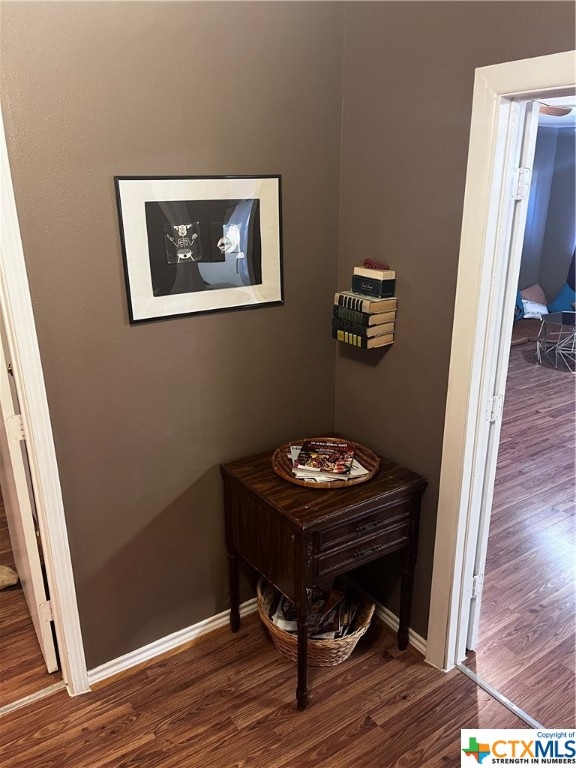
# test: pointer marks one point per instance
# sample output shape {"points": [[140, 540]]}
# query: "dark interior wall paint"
{"points": [[142, 415], [408, 78]]}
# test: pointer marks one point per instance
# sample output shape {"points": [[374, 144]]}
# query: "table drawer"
{"points": [[362, 551], [353, 530]]}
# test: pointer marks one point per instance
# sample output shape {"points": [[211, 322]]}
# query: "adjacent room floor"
{"points": [[22, 668], [527, 623]]}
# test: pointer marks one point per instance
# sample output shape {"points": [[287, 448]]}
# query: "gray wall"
{"points": [[560, 233], [550, 237], [543, 173], [143, 415], [408, 78]]}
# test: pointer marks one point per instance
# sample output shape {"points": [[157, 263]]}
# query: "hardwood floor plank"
{"points": [[184, 753], [115, 729], [535, 679]]}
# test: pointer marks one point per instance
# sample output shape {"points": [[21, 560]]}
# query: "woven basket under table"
{"points": [[321, 653]]}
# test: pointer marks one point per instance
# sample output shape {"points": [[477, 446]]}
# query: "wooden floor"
{"points": [[228, 702], [527, 624], [22, 669]]}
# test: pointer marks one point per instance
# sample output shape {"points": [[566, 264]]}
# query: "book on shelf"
{"points": [[377, 274], [364, 318], [371, 286], [359, 341], [366, 331], [334, 457], [362, 303]]}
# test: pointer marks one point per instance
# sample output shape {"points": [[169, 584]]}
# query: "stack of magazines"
{"points": [[320, 461], [331, 616]]}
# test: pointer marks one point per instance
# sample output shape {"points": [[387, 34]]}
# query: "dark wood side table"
{"points": [[296, 536]]}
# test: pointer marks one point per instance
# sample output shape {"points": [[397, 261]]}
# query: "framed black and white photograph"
{"points": [[195, 244]]}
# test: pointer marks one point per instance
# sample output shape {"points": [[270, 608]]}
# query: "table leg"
{"points": [[406, 585], [301, 690], [233, 572]]}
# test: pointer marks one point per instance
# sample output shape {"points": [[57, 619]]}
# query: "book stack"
{"points": [[366, 315], [321, 461]]}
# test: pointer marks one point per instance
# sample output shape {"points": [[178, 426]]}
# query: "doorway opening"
{"points": [[27, 640], [503, 120], [526, 635], [27, 433], [25, 675]]}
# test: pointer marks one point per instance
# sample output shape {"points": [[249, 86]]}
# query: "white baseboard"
{"points": [[184, 636], [165, 644], [391, 620]]}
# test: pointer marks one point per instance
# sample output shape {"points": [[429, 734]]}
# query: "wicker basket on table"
{"points": [[321, 653]]}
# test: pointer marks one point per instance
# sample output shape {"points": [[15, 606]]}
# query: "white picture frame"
{"points": [[197, 244]]}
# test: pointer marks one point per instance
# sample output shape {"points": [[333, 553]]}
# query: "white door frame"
{"points": [[522, 119], [16, 304], [476, 333]]}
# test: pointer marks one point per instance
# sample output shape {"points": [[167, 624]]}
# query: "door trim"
{"points": [[513, 210], [16, 305], [475, 332]]}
